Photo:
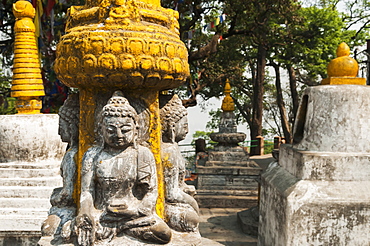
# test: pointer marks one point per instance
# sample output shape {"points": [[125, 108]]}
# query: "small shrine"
{"points": [[228, 178], [317, 193]]}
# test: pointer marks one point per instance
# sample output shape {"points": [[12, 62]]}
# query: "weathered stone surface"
{"points": [[301, 212], [248, 220], [30, 154], [318, 193], [234, 170], [227, 182], [318, 165], [221, 201], [181, 209], [28, 238], [30, 138], [336, 119]]}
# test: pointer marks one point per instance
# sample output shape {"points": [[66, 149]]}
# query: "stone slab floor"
{"points": [[219, 227]]}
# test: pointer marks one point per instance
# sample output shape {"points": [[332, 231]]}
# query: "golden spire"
{"points": [[27, 84], [343, 69], [228, 102]]}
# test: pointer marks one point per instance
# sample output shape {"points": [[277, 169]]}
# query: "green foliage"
{"points": [[269, 147], [206, 136], [6, 103]]}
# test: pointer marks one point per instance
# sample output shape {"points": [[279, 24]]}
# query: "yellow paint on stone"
{"points": [[343, 69], [27, 85], [131, 45], [155, 146], [228, 102]]}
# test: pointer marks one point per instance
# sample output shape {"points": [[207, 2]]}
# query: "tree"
{"points": [[317, 36]]}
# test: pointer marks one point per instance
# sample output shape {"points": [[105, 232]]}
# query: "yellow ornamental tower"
{"points": [[27, 84]]}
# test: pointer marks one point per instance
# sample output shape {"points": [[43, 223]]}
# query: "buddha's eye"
{"points": [[110, 130], [126, 128]]}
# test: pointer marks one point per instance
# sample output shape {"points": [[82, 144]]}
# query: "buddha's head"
{"points": [[69, 115], [119, 123], [174, 119]]}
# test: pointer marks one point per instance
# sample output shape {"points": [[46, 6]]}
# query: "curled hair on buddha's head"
{"points": [[119, 106], [171, 112], [70, 111]]}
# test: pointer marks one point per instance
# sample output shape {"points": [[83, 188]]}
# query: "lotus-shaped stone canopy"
{"points": [[122, 43]]}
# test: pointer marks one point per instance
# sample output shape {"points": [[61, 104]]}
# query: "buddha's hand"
{"points": [[84, 229], [121, 208]]}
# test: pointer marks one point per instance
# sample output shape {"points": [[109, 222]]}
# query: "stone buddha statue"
{"points": [[119, 186], [181, 208], [63, 206]]}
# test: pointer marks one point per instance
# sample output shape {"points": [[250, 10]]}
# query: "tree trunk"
{"points": [[257, 102], [293, 91], [281, 105]]}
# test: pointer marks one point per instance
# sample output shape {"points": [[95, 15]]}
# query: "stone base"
{"points": [[19, 238], [312, 212], [178, 239], [248, 221]]}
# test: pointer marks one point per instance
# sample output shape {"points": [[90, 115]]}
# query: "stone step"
{"points": [[55, 181], [221, 201], [21, 222], [25, 192], [28, 173], [31, 203], [252, 193], [31, 165], [23, 212]]}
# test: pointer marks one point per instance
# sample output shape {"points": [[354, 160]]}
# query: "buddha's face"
{"points": [[181, 129], [64, 130], [118, 132]]}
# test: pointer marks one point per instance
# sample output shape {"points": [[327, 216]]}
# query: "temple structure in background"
{"points": [[228, 178]]}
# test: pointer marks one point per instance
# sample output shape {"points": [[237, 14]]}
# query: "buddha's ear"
{"points": [[172, 133]]}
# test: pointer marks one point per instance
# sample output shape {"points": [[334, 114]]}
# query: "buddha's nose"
{"points": [[119, 133]]}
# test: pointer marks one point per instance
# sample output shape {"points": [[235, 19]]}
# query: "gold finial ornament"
{"points": [[343, 69], [27, 85], [227, 103]]}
